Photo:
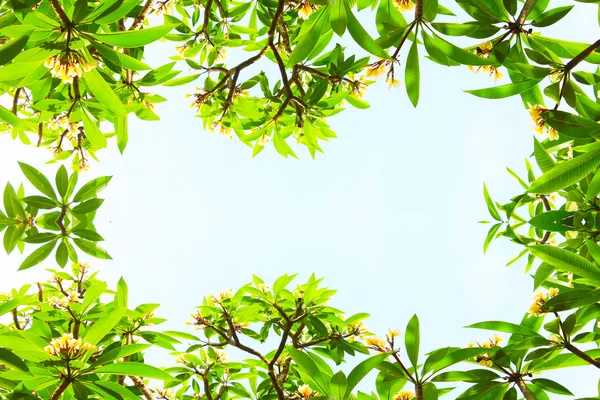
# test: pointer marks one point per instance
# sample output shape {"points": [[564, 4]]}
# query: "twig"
{"points": [[15, 103], [524, 389], [62, 16], [582, 355], [141, 17], [16, 319], [581, 56], [139, 383], [525, 11], [60, 389]]}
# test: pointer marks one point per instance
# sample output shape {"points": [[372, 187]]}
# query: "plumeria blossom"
{"points": [[539, 299], [306, 391], [485, 50], [485, 359], [541, 127], [376, 343], [69, 347], [221, 130], [404, 5], [404, 395], [68, 67], [305, 9]]}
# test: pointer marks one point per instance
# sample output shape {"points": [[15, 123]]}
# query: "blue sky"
{"points": [[388, 215]]}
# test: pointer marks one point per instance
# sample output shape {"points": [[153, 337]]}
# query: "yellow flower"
{"points": [[50, 350], [181, 359], [404, 5], [305, 391], [486, 362], [553, 292], [375, 342], [181, 50], [404, 395], [50, 62], [263, 287], [392, 82], [376, 69], [221, 55], [221, 355], [552, 134], [73, 296], [495, 340], [497, 74], [392, 334], [305, 10], [264, 140]]}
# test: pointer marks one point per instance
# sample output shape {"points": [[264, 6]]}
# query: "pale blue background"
{"points": [[388, 215]]}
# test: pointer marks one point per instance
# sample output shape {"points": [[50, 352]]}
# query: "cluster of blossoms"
{"points": [[306, 392], [164, 7], [68, 67], [28, 222], [381, 67], [404, 395], [541, 127], [539, 299], [484, 51], [404, 5], [485, 359], [68, 347], [62, 122], [221, 130], [199, 96], [72, 297], [358, 330], [305, 9]]}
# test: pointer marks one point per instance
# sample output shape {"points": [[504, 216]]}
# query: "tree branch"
{"points": [[61, 15], [139, 383], [524, 389], [582, 355], [141, 17], [16, 319], [60, 389], [15, 103], [581, 56], [525, 11]]}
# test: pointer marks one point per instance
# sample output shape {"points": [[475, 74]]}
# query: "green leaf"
{"points": [[120, 59], [490, 236], [121, 128], [551, 16], [41, 238], [337, 385], [62, 255], [412, 74], [507, 327], [306, 363], [308, 38], [362, 37], [120, 352], [490, 204], [566, 173], [11, 118], [135, 369], [412, 340], [182, 81], [12, 48], [92, 132], [92, 188], [92, 294], [38, 255], [38, 180], [430, 9], [503, 91], [460, 55], [567, 261], [551, 386], [40, 202], [103, 326], [543, 272], [62, 181], [87, 234], [572, 125], [138, 38], [87, 206], [593, 187], [92, 249], [337, 18], [361, 370], [551, 220], [103, 92], [543, 159], [572, 299]]}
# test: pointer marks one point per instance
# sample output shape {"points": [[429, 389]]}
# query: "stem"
{"points": [[582, 355], [60, 389], [16, 319], [525, 11], [141, 17], [61, 217], [408, 31], [418, 10], [62, 16], [525, 390], [410, 377], [581, 56], [15, 103], [142, 387], [418, 391]]}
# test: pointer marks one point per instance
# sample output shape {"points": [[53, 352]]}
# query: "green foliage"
{"points": [[72, 71]]}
